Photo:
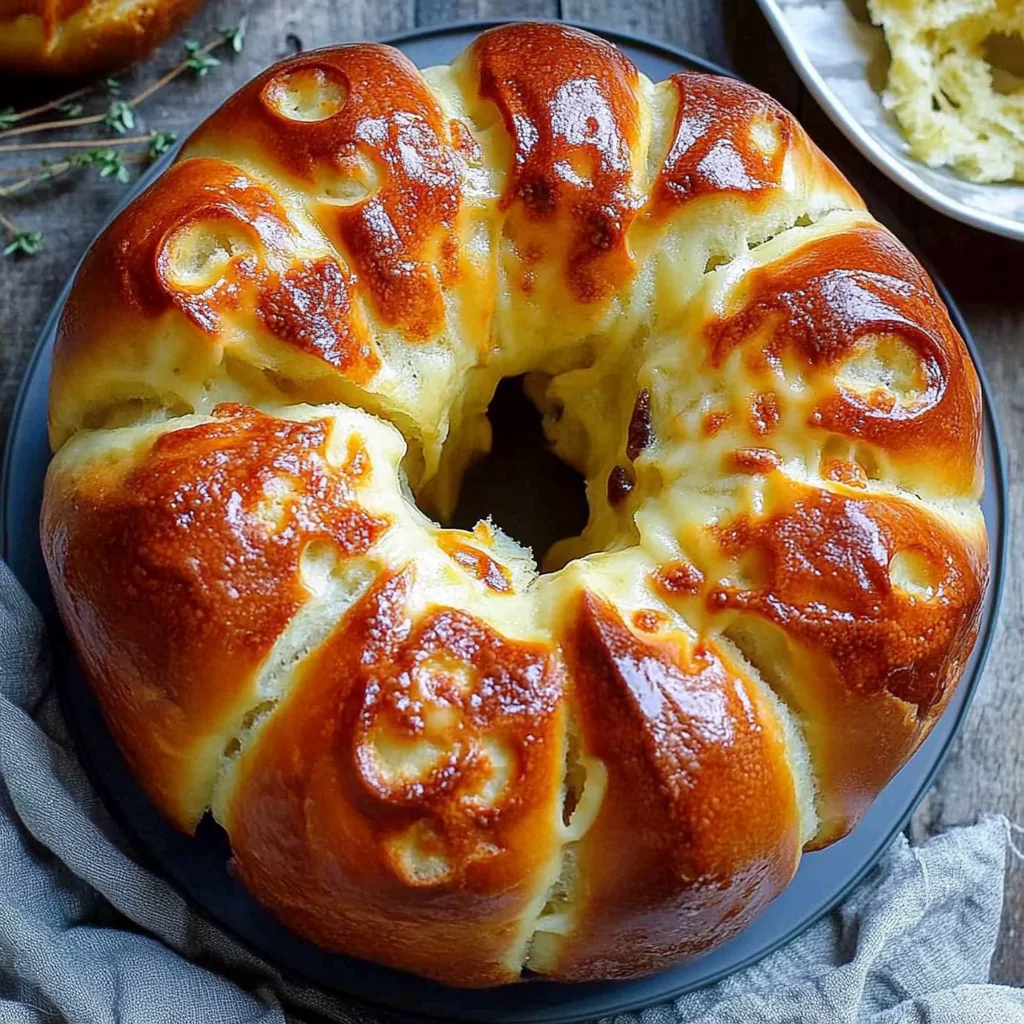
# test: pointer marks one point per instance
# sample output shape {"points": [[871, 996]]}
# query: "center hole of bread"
{"points": [[528, 492]]}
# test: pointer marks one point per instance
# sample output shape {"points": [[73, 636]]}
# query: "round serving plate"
{"points": [[833, 52], [198, 866]]}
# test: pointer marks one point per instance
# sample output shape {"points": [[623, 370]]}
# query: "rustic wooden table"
{"points": [[985, 771]]}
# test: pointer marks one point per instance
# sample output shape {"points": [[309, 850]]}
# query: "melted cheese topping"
{"points": [[425, 751]]}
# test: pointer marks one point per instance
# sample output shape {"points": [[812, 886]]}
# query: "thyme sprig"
{"points": [[110, 156], [109, 161], [195, 60]]}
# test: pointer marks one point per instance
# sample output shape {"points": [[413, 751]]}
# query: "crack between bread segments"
{"points": [[805, 220], [343, 586], [748, 649], [583, 790]]}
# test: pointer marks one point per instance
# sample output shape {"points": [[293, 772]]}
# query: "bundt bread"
{"points": [[424, 751], [70, 37]]}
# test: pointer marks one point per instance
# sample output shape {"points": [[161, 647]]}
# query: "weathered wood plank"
{"points": [[732, 33], [985, 771], [437, 12], [691, 24]]}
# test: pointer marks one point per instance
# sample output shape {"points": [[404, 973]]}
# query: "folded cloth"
{"points": [[88, 935]]}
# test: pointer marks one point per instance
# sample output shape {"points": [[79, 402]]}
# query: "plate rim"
{"points": [[868, 146], [998, 545]]}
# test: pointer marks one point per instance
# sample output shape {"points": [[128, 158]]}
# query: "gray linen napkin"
{"points": [[88, 936]]}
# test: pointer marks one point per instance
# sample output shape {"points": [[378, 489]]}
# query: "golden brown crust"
{"points": [[138, 275], [307, 306], [411, 780], [71, 37], [572, 112], [384, 126], [699, 822], [853, 289], [731, 139], [179, 569], [472, 559], [859, 608], [826, 563], [880, 659]]}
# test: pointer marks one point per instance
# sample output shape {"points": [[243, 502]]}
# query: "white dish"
{"points": [[838, 54]]}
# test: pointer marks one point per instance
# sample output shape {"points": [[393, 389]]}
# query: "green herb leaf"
{"points": [[111, 164], [25, 243], [162, 142], [109, 161], [83, 159], [197, 62], [69, 108], [120, 117], [90, 156], [113, 86], [235, 37], [8, 116]]}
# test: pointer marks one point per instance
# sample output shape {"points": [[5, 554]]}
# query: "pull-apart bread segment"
{"points": [[424, 751]]}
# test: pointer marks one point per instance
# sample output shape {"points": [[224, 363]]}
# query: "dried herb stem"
{"points": [[185, 65], [119, 117], [41, 126], [24, 115], [44, 172], [130, 140]]}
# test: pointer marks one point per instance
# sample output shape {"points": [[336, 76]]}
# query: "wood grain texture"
{"points": [[439, 12], [695, 25], [985, 772]]}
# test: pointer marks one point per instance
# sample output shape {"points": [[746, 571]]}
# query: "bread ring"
{"points": [[425, 752]]}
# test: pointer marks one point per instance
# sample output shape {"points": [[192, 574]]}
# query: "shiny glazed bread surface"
{"points": [[424, 751]]}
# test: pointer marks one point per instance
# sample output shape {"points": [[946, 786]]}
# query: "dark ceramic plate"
{"points": [[198, 866]]}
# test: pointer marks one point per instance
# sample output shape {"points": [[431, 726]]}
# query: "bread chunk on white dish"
{"points": [[841, 58]]}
